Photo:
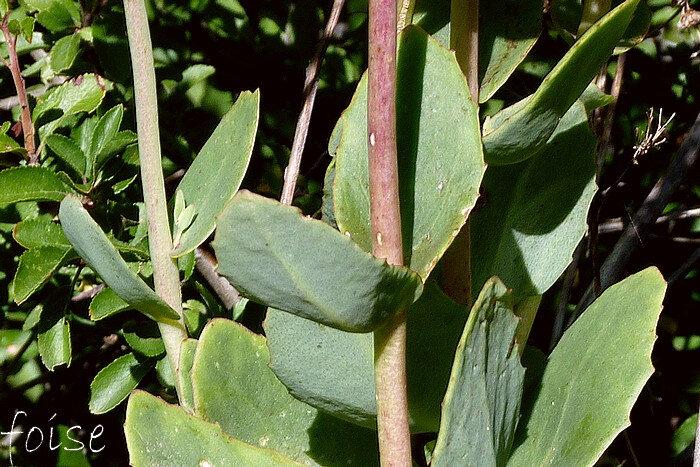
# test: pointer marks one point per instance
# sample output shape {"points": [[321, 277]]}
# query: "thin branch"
{"points": [[166, 275], [618, 224], [647, 214], [206, 265], [569, 278], [681, 272], [310, 87], [25, 114], [385, 213]]}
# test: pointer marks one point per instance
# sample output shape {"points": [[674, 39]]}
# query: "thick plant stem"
{"points": [[25, 114], [165, 273], [464, 40], [390, 340]]}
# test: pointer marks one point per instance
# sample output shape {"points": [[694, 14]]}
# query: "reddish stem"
{"points": [[25, 114], [390, 340]]}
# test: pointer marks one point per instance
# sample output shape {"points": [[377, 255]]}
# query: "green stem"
{"points": [[390, 340], [404, 14], [165, 273]]}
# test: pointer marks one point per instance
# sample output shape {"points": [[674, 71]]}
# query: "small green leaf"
{"points": [[107, 303], [160, 434], [70, 454], [593, 377], [68, 151], [144, 338], [95, 248], [57, 15], [36, 232], [482, 404], [54, 338], [35, 268], [593, 98], [114, 382], [217, 172], [234, 387], [273, 254], [27, 183], [81, 94], [33, 317], [3, 7], [184, 373], [64, 52], [439, 154], [105, 131], [684, 435], [14, 27], [27, 25], [522, 130]]}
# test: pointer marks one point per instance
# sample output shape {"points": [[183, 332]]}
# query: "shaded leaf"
{"points": [[36, 232], [107, 303], [273, 254], [507, 32], [535, 211], [482, 404], [143, 338], [162, 435], [68, 151], [522, 130], [105, 131], [184, 373], [217, 172], [334, 370], [35, 268], [54, 337], [585, 395], [95, 248]]}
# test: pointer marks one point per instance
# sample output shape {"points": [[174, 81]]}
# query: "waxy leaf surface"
{"points": [[273, 254]]}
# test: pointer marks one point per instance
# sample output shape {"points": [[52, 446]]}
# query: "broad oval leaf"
{"points": [[534, 212], [143, 338], [64, 52], [333, 370], [593, 377], [482, 404], [507, 32], [522, 130], [234, 387], [114, 382], [439, 150], [217, 171], [159, 434], [40, 231], [31, 184], [54, 338], [95, 248], [275, 255], [105, 132], [81, 94], [68, 151], [106, 303]]}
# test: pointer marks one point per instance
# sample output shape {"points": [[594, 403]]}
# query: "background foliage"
{"points": [[206, 53]]}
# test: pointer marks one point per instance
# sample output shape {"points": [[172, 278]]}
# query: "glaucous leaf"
{"points": [[234, 387], [217, 171], [184, 373], [587, 390], [482, 404], [439, 151], [507, 32], [534, 212], [162, 435], [333, 370], [95, 248], [273, 254], [27, 183], [522, 130], [114, 382]]}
